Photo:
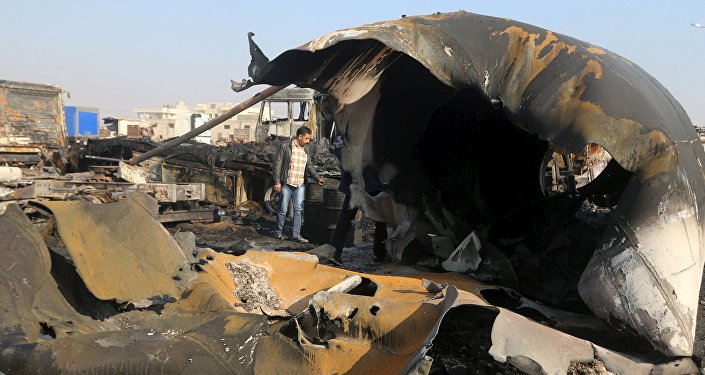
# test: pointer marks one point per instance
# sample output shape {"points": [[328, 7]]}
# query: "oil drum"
{"points": [[313, 211]]}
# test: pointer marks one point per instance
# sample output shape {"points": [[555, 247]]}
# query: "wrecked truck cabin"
{"points": [[32, 131], [578, 248], [32, 136]]}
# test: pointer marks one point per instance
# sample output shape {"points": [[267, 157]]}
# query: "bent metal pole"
{"points": [[208, 125]]}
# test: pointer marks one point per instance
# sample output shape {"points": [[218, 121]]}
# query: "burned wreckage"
{"points": [[604, 273]]}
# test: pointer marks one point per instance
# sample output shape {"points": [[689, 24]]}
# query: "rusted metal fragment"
{"points": [[564, 92], [30, 295], [22, 253], [133, 173], [133, 260], [526, 345], [386, 326]]}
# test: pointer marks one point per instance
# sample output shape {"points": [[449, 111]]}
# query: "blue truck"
{"points": [[82, 121]]}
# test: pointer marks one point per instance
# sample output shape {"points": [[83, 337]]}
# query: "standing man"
{"points": [[291, 163]]}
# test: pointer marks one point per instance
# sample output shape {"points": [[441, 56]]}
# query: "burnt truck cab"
{"points": [[282, 113], [32, 129]]}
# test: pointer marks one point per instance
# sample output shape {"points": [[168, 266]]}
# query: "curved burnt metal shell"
{"points": [[647, 268]]}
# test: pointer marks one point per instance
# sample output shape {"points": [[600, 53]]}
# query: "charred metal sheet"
{"points": [[134, 260], [223, 345], [554, 92], [29, 295], [23, 253], [17, 191], [162, 192], [339, 332], [342, 321]]}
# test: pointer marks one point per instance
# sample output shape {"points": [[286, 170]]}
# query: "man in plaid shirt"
{"points": [[291, 163]]}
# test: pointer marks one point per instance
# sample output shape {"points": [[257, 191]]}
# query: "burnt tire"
{"points": [[270, 200], [271, 203]]}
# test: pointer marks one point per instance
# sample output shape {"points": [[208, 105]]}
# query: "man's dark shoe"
{"points": [[279, 236], [336, 261], [299, 239], [337, 257]]}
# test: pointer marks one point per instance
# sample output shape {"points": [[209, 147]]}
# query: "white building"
{"points": [[124, 126], [239, 128], [167, 121], [173, 120]]}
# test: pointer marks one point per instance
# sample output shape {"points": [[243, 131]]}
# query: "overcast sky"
{"points": [[118, 55]]}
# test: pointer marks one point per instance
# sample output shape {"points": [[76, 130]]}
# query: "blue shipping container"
{"points": [[81, 121]]}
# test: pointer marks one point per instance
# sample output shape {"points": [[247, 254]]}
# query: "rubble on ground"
{"points": [[252, 286]]}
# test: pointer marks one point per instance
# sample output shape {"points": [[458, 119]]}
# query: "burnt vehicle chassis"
{"points": [[231, 174]]}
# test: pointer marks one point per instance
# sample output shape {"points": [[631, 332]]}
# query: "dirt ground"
{"points": [[259, 233]]}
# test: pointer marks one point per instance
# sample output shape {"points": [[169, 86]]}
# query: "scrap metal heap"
{"points": [[34, 155], [232, 174], [127, 297], [605, 273], [234, 156]]}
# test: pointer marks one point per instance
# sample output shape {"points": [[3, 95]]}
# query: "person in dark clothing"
{"points": [[289, 169], [373, 187]]}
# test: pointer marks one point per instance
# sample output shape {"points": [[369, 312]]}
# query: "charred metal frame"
{"points": [[561, 91]]}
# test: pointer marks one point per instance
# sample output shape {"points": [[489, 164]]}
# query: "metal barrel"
{"points": [[314, 193], [313, 228], [332, 205]]}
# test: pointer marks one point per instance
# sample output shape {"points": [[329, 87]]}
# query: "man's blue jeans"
{"points": [[285, 195]]}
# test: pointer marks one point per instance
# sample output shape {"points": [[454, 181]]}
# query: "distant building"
{"points": [[167, 121], [124, 126], [173, 120], [240, 128]]}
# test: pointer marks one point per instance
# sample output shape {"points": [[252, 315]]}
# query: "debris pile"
{"points": [[252, 286], [179, 308]]}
